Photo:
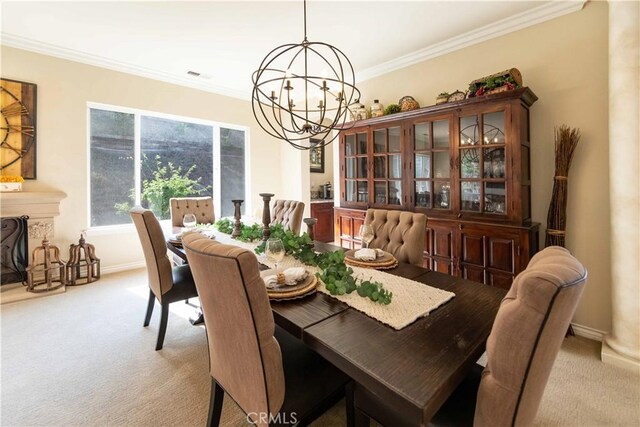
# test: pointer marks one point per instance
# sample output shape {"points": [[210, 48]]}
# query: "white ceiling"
{"points": [[227, 40]]}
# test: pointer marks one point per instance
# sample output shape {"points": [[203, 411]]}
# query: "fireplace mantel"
{"points": [[41, 207], [36, 204]]}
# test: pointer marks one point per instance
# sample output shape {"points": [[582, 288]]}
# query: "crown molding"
{"points": [[542, 13], [19, 42], [526, 19]]}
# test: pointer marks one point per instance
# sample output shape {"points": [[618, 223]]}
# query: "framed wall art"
{"points": [[18, 128], [316, 157]]}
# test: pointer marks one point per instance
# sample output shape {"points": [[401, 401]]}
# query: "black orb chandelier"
{"points": [[303, 91]]}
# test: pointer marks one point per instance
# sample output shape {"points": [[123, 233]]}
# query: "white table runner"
{"points": [[411, 300]]}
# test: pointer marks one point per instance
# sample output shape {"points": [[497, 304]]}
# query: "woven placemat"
{"points": [[296, 293], [375, 265]]}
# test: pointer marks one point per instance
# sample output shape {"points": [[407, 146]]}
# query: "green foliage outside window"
{"points": [[168, 182]]}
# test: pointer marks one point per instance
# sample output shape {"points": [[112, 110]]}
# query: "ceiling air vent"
{"points": [[199, 75]]}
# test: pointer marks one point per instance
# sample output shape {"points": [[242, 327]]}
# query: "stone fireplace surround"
{"points": [[41, 207]]}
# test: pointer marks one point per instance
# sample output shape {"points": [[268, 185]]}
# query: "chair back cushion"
{"points": [[288, 213], [526, 336], [201, 207], [398, 232], [154, 247], [245, 357]]}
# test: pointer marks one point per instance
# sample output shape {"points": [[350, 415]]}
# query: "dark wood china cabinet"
{"points": [[465, 165]]}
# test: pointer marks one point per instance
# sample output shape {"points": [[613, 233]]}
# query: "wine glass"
{"points": [[189, 221], [366, 234], [274, 250]]}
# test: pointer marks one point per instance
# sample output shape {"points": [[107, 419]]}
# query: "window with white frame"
{"points": [[144, 158]]}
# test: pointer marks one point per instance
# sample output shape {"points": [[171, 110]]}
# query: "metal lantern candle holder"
{"points": [[83, 266], [46, 261]]}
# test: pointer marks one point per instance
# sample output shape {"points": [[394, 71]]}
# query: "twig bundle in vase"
{"points": [[566, 142]]}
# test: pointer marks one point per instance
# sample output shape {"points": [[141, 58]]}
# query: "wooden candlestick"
{"points": [[237, 226], [266, 215], [311, 222]]}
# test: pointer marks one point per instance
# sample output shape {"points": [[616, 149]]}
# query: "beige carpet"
{"points": [[83, 358]]}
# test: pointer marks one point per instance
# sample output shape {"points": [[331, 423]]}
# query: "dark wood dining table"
{"points": [[413, 370]]}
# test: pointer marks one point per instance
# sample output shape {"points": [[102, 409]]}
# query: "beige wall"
{"points": [[564, 61], [65, 87], [294, 173]]}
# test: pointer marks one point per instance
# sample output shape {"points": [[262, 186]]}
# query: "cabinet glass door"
{"points": [[432, 165], [356, 168], [482, 154], [387, 166]]}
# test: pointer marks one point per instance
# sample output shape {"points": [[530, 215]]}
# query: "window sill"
{"points": [[111, 230]]}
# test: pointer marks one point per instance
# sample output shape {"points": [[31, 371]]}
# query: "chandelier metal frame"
{"points": [[274, 107]]}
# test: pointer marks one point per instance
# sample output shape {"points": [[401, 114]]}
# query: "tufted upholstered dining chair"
{"points": [[201, 207], [398, 232], [166, 284], [263, 368], [525, 339], [288, 213]]}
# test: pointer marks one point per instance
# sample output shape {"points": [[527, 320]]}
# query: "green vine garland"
{"points": [[335, 274]]}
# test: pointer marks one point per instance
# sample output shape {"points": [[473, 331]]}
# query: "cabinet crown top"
{"points": [[525, 95]]}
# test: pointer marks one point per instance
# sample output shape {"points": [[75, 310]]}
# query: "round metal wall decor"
{"points": [[10, 125], [303, 91]]}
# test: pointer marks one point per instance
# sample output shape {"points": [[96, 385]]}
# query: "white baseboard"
{"points": [[123, 267], [610, 356], [587, 332]]}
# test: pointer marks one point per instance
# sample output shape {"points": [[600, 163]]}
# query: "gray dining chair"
{"points": [[166, 284], [525, 339], [271, 375]]}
